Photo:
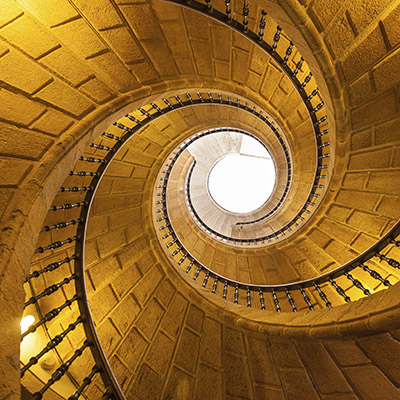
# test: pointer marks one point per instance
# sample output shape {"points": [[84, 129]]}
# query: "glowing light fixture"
{"points": [[26, 322]]}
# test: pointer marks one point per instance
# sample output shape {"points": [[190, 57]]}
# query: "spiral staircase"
{"points": [[139, 285]]}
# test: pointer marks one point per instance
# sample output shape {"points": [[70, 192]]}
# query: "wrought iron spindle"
{"points": [[206, 279], [289, 51], [209, 6], [111, 136], [214, 288], [60, 372], [177, 251], [392, 262], [376, 275], [82, 173], [276, 38], [276, 301], [50, 290], [168, 104], [122, 126], [323, 296], [306, 299], [248, 297], [60, 225], [262, 301], [75, 189], [53, 343], [182, 259], [357, 284], [196, 275], [133, 119], [246, 10], [291, 301], [145, 113], [48, 317], [68, 206], [228, 10], [225, 291], [340, 290], [50, 267], [306, 80], [189, 267], [298, 66], [262, 26], [55, 245], [101, 147], [236, 295], [86, 382]]}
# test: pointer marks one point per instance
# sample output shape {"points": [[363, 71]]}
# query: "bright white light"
{"points": [[26, 322], [241, 183]]}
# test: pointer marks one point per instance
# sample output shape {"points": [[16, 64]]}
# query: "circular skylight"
{"points": [[242, 182]]}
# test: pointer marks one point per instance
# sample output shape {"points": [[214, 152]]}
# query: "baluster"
{"points": [[101, 147], [392, 262], [68, 206], [155, 106], [276, 38], [75, 189], [246, 10], [298, 66], [225, 291], [144, 112], [189, 98], [321, 120], [238, 102], [111, 136], [340, 290], [262, 26], [395, 242], [50, 290], [306, 299], [236, 295], [168, 104], [196, 275], [132, 118], [122, 126], [177, 251], [228, 10], [288, 53], [220, 97], [357, 284], [209, 7], [55, 245], [50, 267], [164, 226], [50, 345], [206, 279], [324, 132], [171, 243], [60, 225], [323, 296], [162, 218], [214, 288], [376, 275], [262, 301], [276, 301], [318, 107], [210, 97], [199, 95], [86, 382], [306, 80], [182, 259], [291, 301], [189, 267], [248, 297], [82, 173], [167, 234], [313, 94], [48, 317], [60, 372]]}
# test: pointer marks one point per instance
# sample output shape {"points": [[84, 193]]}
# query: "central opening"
{"points": [[242, 182]]}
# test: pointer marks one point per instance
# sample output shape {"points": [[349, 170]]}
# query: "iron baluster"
{"points": [[323, 296], [306, 80], [122, 126], [306, 299], [55, 245], [246, 10], [313, 94], [225, 291], [50, 267], [196, 275], [228, 10], [144, 112], [340, 290], [101, 147], [376, 275], [60, 225], [298, 66], [133, 119], [262, 301], [276, 38], [357, 284], [82, 173], [75, 189], [111, 136], [205, 281], [276, 301], [262, 26], [155, 106], [289, 51], [248, 297], [68, 206], [182, 259], [291, 301], [189, 267], [214, 288], [393, 263], [236, 295]]}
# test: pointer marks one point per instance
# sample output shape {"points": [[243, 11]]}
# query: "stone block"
{"points": [[384, 351], [262, 366], [365, 201], [132, 348], [149, 318], [102, 302], [368, 223], [391, 26], [179, 385], [339, 37], [128, 278], [361, 139], [221, 39], [272, 76], [13, 171], [240, 63], [147, 385], [108, 335], [233, 340], [96, 90], [209, 384], [262, 393], [125, 313], [385, 181], [378, 110], [355, 180], [385, 73], [53, 122], [211, 343], [373, 159], [324, 12], [202, 57], [347, 353], [148, 284], [371, 383], [120, 371], [62, 96], [236, 377], [160, 353], [297, 381], [172, 321], [326, 375], [187, 352], [362, 58], [19, 109], [110, 242]]}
